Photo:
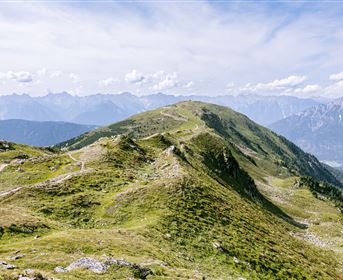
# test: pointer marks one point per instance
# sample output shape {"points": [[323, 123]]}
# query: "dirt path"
{"points": [[184, 119], [10, 191], [3, 166], [55, 180], [79, 162]]}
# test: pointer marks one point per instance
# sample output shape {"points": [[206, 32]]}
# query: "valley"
{"points": [[40, 133]]}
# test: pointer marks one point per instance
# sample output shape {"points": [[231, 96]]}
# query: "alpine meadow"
{"points": [[133, 140]]}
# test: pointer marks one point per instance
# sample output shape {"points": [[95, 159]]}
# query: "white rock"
{"points": [[60, 269]]}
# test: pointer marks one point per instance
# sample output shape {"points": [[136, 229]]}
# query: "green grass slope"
{"points": [[22, 165], [178, 192], [276, 154]]}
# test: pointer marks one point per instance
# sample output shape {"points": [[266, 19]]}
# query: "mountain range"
{"points": [[317, 130], [103, 109], [40, 133], [188, 191]]}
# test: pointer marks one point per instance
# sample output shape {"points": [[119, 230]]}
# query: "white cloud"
{"points": [[284, 84], [230, 85], [160, 80], [20, 77], [42, 72], [244, 42], [158, 75], [334, 90], [308, 89], [170, 81], [337, 76], [134, 77], [189, 84], [56, 74], [108, 82], [75, 78]]}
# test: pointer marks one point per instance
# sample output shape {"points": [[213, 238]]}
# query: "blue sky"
{"points": [[176, 47]]}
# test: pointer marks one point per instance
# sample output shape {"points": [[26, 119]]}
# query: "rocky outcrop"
{"points": [[85, 263], [101, 267], [5, 265]]}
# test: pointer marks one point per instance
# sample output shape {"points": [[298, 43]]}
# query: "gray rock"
{"points": [[88, 263], [60, 269], [53, 168], [235, 260], [29, 271], [16, 257], [25, 278], [5, 265], [143, 271], [101, 267]]}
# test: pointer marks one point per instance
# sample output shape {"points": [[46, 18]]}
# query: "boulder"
{"points": [[5, 265]]}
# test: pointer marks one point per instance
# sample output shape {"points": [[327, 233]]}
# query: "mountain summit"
{"points": [[188, 191], [237, 130]]}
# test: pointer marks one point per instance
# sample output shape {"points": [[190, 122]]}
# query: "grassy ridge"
{"points": [[280, 156], [180, 194]]}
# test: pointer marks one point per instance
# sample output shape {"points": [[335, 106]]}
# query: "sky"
{"points": [[175, 47]]}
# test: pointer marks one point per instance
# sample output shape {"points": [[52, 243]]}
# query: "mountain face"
{"points": [[40, 133], [188, 191], [103, 109], [262, 109], [25, 107], [318, 130]]}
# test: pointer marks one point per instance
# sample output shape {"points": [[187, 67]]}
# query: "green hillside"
{"points": [[277, 154], [190, 191]]}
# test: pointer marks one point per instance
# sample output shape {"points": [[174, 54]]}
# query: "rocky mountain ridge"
{"points": [[317, 130], [103, 109]]}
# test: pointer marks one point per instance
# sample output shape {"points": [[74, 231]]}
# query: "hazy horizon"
{"points": [[169, 94]]}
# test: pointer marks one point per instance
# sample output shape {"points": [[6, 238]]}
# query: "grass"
{"points": [[182, 202], [322, 217], [35, 171]]}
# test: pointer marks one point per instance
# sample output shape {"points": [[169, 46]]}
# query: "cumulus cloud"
{"points": [[284, 84], [159, 80], [134, 77], [170, 81], [334, 90], [75, 78], [108, 82], [308, 89], [230, 87], [158, 75], [337, 76], [42, 72], [56, 74], [20, 77], [189, 84]]}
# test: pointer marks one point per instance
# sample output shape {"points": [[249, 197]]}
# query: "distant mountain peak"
{"points": [[64, 106], [318, 130]]}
